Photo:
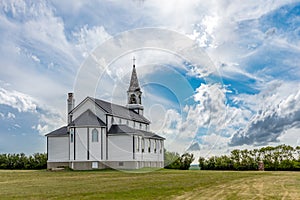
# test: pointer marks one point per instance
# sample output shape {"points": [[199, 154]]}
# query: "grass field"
{"points": [[163, 184]]}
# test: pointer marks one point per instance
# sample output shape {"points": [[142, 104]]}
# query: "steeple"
{"points": [[134, 83], [134, 92]]}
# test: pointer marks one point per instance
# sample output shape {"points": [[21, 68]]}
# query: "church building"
{"points": [[100, 134]]}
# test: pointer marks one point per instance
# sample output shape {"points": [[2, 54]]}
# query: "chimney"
{"points": [[71, 103]]}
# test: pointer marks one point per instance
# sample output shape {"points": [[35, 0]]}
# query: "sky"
{"points": [[215, 76]]}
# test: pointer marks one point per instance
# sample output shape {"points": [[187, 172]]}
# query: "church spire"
{"points": [[134, 82], [134, 92]]}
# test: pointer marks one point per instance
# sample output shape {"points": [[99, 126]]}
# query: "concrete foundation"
{"points": [[51, 165], [90, 165]]}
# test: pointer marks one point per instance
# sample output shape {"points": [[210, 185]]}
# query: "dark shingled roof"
{"points": [[124, 129], [120, 111], [88, 118], [63, 131]]}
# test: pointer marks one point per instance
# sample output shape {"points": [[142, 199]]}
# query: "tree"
{"points": [[186, 160], [21, 161], [202, 163], [281, 157], [174, 161]]}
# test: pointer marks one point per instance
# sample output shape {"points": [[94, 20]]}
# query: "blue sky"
{"points": [[249, 98]]}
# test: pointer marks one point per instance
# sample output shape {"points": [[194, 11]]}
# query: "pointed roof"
{"points": [[88, 118], [120, 111], [62, 131], [134, 82]]}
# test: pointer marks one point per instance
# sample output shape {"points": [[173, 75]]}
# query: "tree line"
{"points": [[173, 160], [21, 161], [282, 157]]}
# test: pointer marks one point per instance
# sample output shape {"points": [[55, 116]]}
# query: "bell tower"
{"points": [[134, 93]]}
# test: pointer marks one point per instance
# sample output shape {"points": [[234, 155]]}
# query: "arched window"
{"points": [[94, 135]]}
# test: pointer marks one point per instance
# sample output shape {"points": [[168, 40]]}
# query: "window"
{"points": [[143, 145], [95, 165], [161, 146], [127, 122], [94, 135], [72, 135], [149, 146], [140, 126], [155, 146], [121, 164], [138, 144]]}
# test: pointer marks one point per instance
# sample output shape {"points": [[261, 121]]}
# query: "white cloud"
{"points": [[18, 100], [89, 38], [278, 111], [11, 115], [211, 107], [42, 129]]}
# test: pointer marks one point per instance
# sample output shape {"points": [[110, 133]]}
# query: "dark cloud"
{"points": [[266, 129]]}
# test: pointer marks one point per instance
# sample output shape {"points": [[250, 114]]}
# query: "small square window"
{"points": [[95, 165], [121, 164]]}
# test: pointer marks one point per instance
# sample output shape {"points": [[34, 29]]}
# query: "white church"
{"points": [[103, 135]]}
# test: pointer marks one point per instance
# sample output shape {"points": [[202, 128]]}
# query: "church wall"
{"points": [[58, 149], [89, 104], [152, 155], [95, 147], [120, 148], [81, 144]]}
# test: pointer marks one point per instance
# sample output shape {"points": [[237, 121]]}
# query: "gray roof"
{"points": [[124, 129], [63, 131], [88, 118], [120, 111], [134, 83]]}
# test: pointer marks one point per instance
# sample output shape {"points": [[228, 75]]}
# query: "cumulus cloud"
{"points": [[48, 118], [278, 111], [211, 106], [18, 100]]}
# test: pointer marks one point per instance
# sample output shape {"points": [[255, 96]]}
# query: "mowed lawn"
{"points": [[162, 184]]}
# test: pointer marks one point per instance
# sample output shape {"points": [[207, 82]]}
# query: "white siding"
{"points": [[89, 104], [95, 147], [81, 144], [58, 149], [120, 148], [152, 156]]}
